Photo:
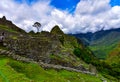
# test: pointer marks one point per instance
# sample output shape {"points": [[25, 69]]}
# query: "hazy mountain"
{"points": [[101, 42]]}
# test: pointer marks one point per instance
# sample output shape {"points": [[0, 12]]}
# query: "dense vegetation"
{"points": [[109, 71], [105, 46]]}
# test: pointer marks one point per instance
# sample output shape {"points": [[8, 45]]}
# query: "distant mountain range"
{"points": [[101, 42]]}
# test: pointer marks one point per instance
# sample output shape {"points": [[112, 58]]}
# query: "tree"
{"points": [[37, 25], [77, 52]]}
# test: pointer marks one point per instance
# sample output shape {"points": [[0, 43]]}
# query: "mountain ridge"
{"points": [[101, 42], [90, 36], [10, 25]]}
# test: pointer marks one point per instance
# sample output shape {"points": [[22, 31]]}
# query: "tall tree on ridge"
{"points": [[37, 25]]}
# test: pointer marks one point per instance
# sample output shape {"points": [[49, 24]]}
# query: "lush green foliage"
{"points": [[61, 38], [107, 70], [84, 54], [16, 71], [77, 52]]}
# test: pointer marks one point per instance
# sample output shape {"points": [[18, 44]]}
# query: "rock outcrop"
{"points": [[47, 48]]}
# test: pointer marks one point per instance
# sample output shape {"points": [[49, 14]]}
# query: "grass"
{"points": [[16, 71], [7, 29], [9, 75]]}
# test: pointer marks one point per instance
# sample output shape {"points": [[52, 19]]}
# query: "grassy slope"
{"points": [[8, 74], [103, 46], [14, 71], [102, 51], [114, 56], [3, 27], [113, 60]]}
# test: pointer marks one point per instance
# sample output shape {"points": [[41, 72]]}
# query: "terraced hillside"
{"points": [[16, 71], [47, 57]]}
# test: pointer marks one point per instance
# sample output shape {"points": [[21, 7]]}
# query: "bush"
{"points": [[83, 54], [77, 52], [61, 38]]}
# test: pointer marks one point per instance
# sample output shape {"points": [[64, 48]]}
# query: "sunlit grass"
{"points": [[15, 71]]}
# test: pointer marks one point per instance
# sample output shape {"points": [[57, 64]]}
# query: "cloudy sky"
{"points": [[73, 16]]}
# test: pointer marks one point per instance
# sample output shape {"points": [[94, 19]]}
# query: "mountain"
{"points": [[9, 26], [114, 55], [113, 59], [101, 42], [48, 57], [48, 47]]}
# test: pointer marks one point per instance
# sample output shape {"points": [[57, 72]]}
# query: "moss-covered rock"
{"points": [[56, 30], [40, 46]]}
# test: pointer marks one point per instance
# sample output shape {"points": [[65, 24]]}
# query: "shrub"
{"points": [[77, 52]]}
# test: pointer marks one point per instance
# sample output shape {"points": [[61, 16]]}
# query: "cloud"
{"points": [[89, 15], [92, 6], [24, 15]]}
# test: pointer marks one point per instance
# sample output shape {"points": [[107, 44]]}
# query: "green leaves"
{"points": [[77, 52]]}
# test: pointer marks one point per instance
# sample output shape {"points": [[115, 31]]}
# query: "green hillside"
{"points": [[16, 71], [101, 42], [114, 55], [113, 59], [102, 51], [103, 46]]}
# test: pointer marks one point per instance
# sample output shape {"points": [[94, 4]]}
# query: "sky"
{"points": [[72, 16]]}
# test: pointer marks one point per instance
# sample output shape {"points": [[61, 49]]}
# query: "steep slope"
{"points": [[10, 30], [56, 30], [9, 26], [114, 55], [17, 71], [101, 42], [113, 59]]}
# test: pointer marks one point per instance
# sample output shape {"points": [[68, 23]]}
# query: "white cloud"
{"points": [[89, 16], [50, 25], [92, 6]]}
